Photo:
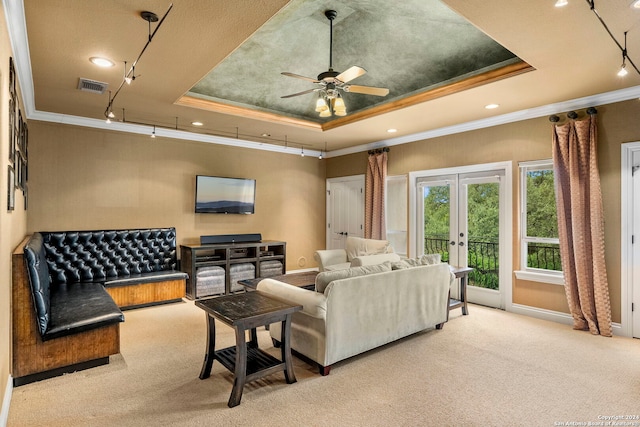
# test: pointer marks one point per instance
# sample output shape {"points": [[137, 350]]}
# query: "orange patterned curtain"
{"points": [[374, 223], [581, 223]]}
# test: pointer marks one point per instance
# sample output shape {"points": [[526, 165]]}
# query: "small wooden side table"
{"points": [[247, 311], [461, 273]]}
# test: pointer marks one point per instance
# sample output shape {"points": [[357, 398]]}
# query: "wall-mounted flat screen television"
{"points": [[215, 194]]}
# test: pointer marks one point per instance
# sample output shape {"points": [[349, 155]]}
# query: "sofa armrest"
{"points": [[328, 257], [313, 303]]}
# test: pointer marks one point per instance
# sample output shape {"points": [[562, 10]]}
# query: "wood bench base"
{"points": [[27, 379], [145, 294], [31, 357]]}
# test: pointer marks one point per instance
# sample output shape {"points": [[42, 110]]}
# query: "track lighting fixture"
{"points": [[302, 152], [623, 68], [129, 76], [623, 49], [153, 134]]}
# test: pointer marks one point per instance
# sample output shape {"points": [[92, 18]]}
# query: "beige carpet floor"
{"points": [[490, 368]]}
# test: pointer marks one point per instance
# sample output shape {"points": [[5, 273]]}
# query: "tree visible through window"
{"points": [[539, 218]]}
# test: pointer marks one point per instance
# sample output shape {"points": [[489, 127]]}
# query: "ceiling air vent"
{"points": [[92, 86]]}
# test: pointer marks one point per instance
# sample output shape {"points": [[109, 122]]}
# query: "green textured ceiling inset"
{"points": [[407, 46]]}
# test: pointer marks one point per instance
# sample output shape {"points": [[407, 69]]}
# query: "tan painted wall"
{"points": [[12, 224], [524, 141], [90, 179]]}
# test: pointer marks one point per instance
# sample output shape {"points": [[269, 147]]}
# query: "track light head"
{"points": [[623, 70]]}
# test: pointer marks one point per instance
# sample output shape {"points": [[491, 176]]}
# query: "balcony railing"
{"points": [[483, 257]]}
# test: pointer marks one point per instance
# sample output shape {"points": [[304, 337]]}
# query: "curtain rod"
{"points": [[379, 151], [573, 115]]}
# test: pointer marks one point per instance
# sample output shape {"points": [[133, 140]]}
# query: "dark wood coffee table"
{"points": [[247, 311], [306, 280]]}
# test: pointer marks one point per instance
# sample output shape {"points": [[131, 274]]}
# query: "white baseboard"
{"points": [[555, 316], [6, 402]]}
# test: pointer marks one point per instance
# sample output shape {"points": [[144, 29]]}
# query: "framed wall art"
{"points": [[11, 190]]}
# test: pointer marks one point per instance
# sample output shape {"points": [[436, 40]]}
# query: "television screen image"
{"points": [[225, 195]]}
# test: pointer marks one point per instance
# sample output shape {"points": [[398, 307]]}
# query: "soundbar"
{"points": [[230, 238]]}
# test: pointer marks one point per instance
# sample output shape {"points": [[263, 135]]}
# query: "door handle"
{"points": [[461, 243], [452, 243]]}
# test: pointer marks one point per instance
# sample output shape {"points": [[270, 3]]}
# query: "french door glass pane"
{"points": [[436, 220], [483, 225]]}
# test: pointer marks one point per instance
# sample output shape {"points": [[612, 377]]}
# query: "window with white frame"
{"points": [[540, 246]]}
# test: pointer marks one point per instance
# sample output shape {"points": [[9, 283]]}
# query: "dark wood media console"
{"points": [[206, 264]]}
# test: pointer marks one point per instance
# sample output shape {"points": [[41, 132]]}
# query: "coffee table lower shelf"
{"points": [[259, 363]]}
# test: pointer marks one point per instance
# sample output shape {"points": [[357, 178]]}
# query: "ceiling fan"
{"points": [[331, 83]]}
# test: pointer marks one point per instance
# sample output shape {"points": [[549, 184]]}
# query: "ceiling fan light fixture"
{"points": [[332, 83], [321, 105]]}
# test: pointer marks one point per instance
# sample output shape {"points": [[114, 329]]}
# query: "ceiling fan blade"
{"points": [[367, 90], [297, 76], [351, 73], [304, 92]]}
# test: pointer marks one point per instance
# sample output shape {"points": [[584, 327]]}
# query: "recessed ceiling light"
{"points": [[101, 62], [196, 123], [392, 130], [491, 106], [636, 4], [561, 3]]}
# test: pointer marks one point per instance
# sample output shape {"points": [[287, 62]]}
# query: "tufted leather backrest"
{"points": [[93, 256], [34, 255]]}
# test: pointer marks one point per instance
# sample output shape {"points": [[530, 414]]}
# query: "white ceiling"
{"points": [[574, 58]]}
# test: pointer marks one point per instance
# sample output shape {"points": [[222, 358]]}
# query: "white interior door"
{"points": [[635, 274], [345, 210], [461, 216]]}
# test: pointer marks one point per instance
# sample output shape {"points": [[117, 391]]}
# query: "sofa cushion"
{"points": [[357, 246], [374, 259], [136, 279], [336, 267], [80, 307], [323, 279]]}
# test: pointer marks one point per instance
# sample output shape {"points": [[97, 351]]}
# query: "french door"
{"points": [[462, 217]]}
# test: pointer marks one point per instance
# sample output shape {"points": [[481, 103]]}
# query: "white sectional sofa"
{"points": [[359, 312], [355, 247]]}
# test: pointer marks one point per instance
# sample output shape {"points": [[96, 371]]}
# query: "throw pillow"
{"points": [[429, 259], [400, 265], [323, 279]]}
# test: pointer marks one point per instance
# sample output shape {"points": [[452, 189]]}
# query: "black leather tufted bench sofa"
{"points": [[74, 284], [117, 259]]}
